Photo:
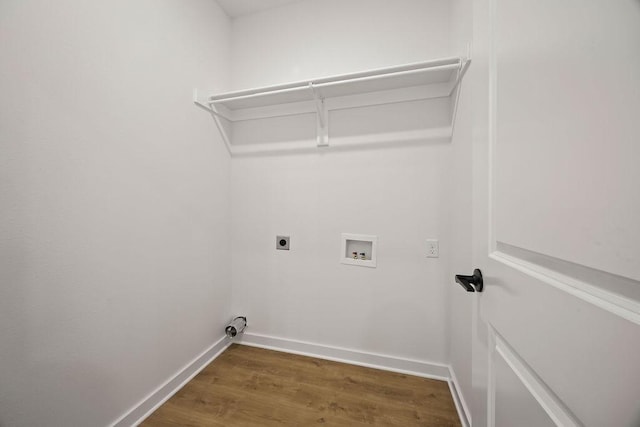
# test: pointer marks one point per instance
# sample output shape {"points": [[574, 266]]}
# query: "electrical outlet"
{"points": [[432, 248]]}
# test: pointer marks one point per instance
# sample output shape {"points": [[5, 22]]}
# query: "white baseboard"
{"points": [[146, 406], [458, 399], [418, 368]]}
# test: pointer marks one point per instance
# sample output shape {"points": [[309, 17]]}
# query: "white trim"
{"points": [[419, 368], [153, 400], [492, 126], [546, 398], [616, 304], [458, 399], [491, 377]]}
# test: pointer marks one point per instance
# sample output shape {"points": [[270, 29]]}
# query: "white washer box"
{"points": [[359, 243]]}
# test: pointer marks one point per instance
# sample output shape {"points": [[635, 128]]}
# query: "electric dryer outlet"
{"points": [[282, 243]]}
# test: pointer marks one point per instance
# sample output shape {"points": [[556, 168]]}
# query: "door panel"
{"points": [[566, 143], [512, 396], [556, 201]]}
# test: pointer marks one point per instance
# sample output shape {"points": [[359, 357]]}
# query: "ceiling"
{"points": [[235, 8]]}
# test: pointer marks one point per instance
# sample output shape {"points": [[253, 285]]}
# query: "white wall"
{"points": [[399, 194], [114, 192], [309, 39]]}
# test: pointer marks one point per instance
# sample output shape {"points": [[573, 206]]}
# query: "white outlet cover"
{"points": [[433, 250]]}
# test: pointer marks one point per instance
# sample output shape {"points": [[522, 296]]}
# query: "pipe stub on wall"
{"points": [[236, 326]]}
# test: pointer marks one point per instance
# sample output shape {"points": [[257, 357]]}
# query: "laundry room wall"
{"points": [[114, 191], [397, 192]]}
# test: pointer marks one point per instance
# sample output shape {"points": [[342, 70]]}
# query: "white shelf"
{"points": [[418, 74], [424, 80]]}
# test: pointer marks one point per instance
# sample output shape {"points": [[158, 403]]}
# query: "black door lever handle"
{"points": [[471, 283]]}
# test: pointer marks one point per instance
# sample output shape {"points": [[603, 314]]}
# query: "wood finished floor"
{"points": [[247, 386]]}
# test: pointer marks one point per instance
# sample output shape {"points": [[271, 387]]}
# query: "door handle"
{"points": [[471, 283]]}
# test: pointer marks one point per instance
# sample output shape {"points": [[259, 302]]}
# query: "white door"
{"points": [[556, 208]]}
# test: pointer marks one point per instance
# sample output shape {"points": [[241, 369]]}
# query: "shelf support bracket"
{"points": [[464, 65], [211, 109], [322, 114]]}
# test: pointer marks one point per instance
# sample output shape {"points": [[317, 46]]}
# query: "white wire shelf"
{"points": [[423, 80]]}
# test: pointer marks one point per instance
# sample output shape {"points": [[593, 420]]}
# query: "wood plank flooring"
{"points": [[247, 386]]}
